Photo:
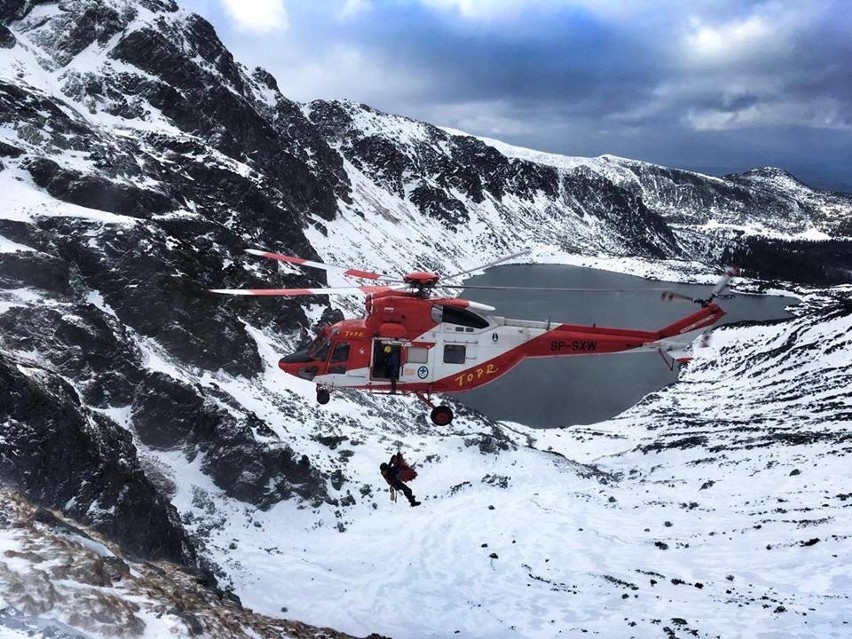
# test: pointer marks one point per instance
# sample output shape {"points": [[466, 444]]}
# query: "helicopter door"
{"points": [[385, 352], [461, 345]]}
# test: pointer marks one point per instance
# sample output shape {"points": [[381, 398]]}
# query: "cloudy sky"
{"points": [[716, 86]]}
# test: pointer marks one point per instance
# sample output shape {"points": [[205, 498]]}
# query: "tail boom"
{"points": [[571, 339], [702, 318]]}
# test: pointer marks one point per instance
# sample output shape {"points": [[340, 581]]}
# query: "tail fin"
{"points": [[701, 318]]}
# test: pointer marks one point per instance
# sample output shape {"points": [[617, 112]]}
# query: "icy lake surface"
{"points": [[587, 389]]}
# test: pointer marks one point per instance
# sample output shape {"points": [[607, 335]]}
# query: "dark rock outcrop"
{"points": [[49, 437], [95, 192], [169, 414]]}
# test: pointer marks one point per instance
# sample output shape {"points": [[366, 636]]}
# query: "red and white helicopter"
{"points": [[449, 344]]}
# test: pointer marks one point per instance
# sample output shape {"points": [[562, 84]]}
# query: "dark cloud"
{"points": [[725, 83], [546, 55]]}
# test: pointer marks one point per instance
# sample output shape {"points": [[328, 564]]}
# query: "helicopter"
{"points": [[415, 341]]}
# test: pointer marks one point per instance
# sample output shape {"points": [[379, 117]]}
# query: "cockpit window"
{"points": [[462, 317], [341, 352], [318, 349]]}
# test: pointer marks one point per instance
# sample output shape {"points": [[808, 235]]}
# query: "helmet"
{"points": [[387, 349]]}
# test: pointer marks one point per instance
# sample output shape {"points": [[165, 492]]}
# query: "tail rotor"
{"points": [[720, 287], [718, 290]]}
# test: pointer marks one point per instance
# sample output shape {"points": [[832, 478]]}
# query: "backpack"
{"points": [[405, 473]]}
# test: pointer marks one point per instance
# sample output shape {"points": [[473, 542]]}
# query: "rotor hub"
{"points": [[422, 281], [421, 278]]}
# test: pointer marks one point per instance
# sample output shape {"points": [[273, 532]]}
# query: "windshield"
{"points": [[318, 349]]}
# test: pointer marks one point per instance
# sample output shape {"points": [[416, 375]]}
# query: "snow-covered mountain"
{"points": [[139, 159]]}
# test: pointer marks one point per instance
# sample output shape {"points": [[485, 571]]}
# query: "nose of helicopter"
{"points": [[295, 358], [299, 364]]}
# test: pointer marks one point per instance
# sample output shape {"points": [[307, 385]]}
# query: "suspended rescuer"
{"points": [[396, 473]]}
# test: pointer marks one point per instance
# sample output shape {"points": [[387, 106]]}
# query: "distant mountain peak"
{"points": [[766, 172]]}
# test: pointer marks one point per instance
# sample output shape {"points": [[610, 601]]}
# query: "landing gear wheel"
{"points": [[442, 415], [323, 396]]}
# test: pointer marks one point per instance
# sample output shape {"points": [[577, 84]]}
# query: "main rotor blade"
{"points": [[485, 266], [337, 290], [299, 261]]}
